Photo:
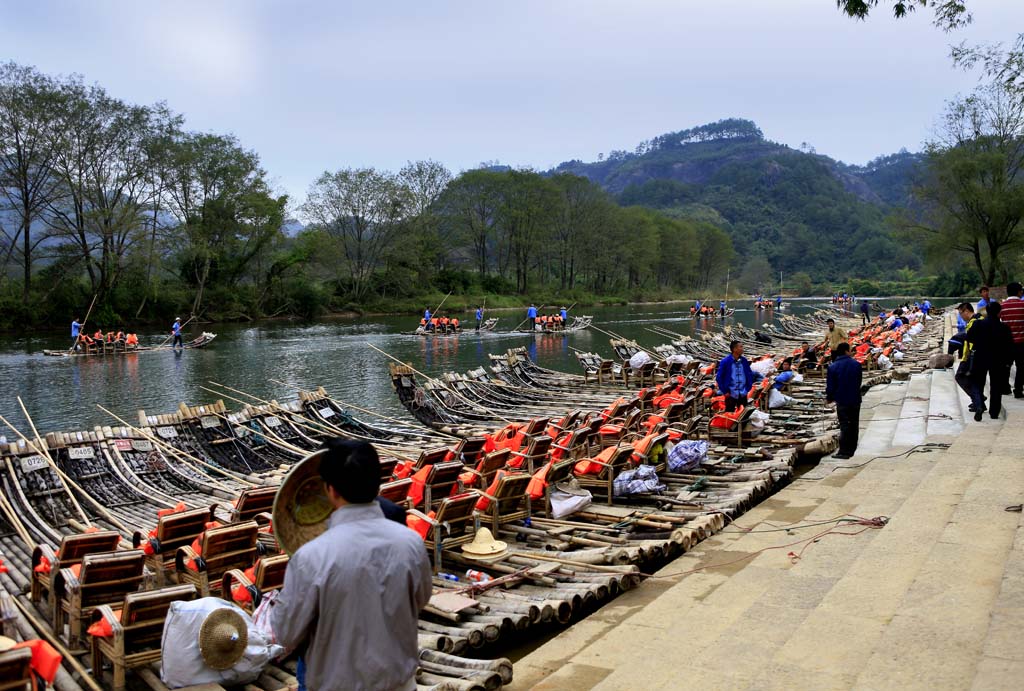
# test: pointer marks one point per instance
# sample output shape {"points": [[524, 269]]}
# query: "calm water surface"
{"points": [[62, 393]]}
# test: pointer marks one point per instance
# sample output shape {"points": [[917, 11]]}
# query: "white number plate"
{"points": [[81, 452], [167, 432], [272, 421], [208, 421], [142, 445], [326, 413], [31, 464]]}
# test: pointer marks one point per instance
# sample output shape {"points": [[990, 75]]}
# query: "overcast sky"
{"points": [[328, 84]]}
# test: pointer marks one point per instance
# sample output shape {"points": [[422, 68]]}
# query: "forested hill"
{"points": [[800, 210]]}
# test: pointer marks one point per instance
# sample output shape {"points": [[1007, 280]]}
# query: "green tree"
{"points": [[948, 14], [757, 275], [29, 105], [973, 188], [363, 210]]}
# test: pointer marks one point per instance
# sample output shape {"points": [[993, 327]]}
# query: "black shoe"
{"points": [[971, 408], [978, 414], [841, 456]]}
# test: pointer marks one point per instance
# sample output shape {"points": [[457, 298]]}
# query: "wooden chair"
{"points": [[103, 579], [559, 472], [397, 491], [470, 449], [617, 460], [268, 574], [387, 469], [453, 524], [16, 670], [71, 551], [509, 502], [653, 440], [137, 630], [535, 454], [443, 477], [172, 531], [576, 446], [535, 426], [252, 502], [734, 435], [224, 548], [485, 470]]}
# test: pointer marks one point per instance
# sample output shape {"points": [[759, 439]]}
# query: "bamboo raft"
{"points": [[203, 340], [204, 458]]}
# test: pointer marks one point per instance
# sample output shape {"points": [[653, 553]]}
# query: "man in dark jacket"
{"points": [[734, 377], [992, 344], [842, 387]]}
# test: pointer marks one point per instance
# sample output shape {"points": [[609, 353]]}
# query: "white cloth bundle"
{"points": [[777, 399], [182, 663], [764, 367], [639, 360]]}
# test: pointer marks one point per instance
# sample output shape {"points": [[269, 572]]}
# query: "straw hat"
{"points": [[223, 638], [301, 507], [7, 643], [571, 486], [484, 545]]}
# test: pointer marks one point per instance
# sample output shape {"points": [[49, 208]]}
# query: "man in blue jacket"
{"points": [[734, 377], [842, 387]]}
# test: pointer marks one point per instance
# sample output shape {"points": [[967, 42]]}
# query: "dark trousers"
{"points": [[477, 324], [997, 378], [732, 404], [177, 341], [973, 384], [1018, 379], [864, 319], [849, 428]]}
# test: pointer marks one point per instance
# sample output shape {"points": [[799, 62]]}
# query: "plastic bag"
{"points": [[185, 665], [758, 419], [565, 503], [764, 367], [884, 363], [687, 455], [639, 360], [777, 399], [640, 480]]}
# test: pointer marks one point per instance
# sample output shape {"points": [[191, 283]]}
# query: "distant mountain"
{"points": [[801, 210]]}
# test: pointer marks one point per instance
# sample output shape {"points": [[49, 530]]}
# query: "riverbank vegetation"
{"points": [[121, 206]]}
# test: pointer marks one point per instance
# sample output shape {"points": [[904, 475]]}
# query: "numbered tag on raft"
{"points": [[167, 432], [30, 464], [142, 445], [272, 421], [123, 444], [81, 452], [326, 412], [208, 421]]}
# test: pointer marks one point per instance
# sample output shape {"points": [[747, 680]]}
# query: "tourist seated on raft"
{"points": [[131, 342], [785, 374], [98, 336]]}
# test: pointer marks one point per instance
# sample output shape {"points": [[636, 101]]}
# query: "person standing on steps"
{"points": [[734, 377], [991, 351], [965, 313], [176, 330], [842, 387], [1013, 316]]}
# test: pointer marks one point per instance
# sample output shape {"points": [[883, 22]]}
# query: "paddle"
{"points": [[81, 327], [524, 321], [164, 342]]}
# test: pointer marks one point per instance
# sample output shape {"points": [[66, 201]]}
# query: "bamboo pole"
{"points": [[81, 327], [178, 452], [452, 389], [164, 342], [43, 630]]}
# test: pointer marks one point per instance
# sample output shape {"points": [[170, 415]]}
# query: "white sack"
{"points": [[777, 399], [884, 363], [764, 367], [639, 360], [182, 663], [565, 504]]}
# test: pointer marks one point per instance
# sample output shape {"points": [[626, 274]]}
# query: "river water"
{"points": [[62, 394]]}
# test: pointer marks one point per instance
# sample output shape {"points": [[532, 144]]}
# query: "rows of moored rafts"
{"points": [[200, 459], [514, 430]]}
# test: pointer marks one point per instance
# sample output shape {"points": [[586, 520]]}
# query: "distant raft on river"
{"points": [[119, 349]]}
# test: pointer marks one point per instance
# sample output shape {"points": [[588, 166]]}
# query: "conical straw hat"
{"points": [[301, 507], [484, 545], [223, 638]]}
